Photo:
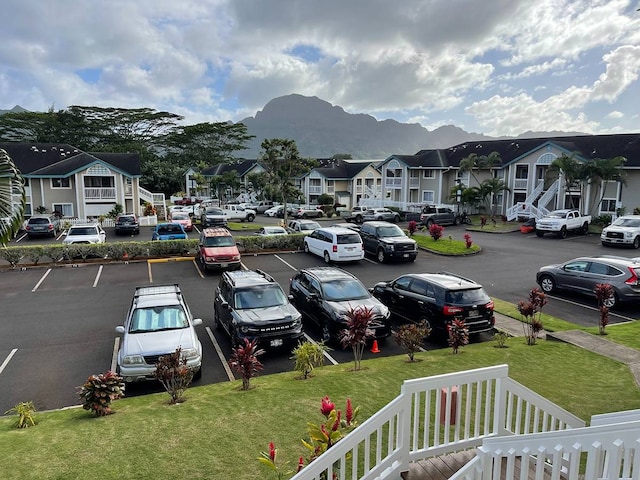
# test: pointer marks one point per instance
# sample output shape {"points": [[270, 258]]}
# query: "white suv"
{"points": [[91, 233], [159, 321], [335, 244], [624, 231]]}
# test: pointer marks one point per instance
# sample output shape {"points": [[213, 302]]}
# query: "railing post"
{"points": [[404, 429], [499, 417]]}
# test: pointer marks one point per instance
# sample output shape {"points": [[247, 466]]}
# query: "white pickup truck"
{"points": [[562, 221], [238, 213]]}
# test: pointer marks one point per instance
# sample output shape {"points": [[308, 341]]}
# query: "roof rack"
{"points": [[456, 276], [241, 274], [156, 290]]}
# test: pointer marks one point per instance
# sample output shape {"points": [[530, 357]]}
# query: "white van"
{"points": [[335, 244]]}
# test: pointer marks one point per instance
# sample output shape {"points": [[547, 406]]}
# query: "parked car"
{"points": [[252, 305], [127, 223], [381, 214], [238, 213], [263, 206], [42, 225], [303, 226], [623, 231], [272, 212], [271, 231], [335, 244], [584, 273], [437, 299], [90, 233], [169, 231], [562, 222], [158, 322], [439, 215], [307, 211], [183, 219], [325, 294], [355, 214], [387, 241], [217, 249], [213, 217]]}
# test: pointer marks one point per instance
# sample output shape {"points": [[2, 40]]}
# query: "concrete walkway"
{"points": [[593, 343]]}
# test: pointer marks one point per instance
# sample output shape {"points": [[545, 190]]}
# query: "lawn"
{"points": [[220, 430]]}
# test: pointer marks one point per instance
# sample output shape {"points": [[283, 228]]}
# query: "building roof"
{"points": [[335, 168]]}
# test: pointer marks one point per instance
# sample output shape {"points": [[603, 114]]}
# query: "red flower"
{"points": [[300, 464], [349, 415], [272, 452], [336, 424], [327, 407]]}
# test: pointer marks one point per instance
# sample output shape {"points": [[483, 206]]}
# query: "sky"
{"points": [[497, 67]]}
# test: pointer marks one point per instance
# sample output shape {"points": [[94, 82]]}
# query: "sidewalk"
{"points": [[593, 343]]}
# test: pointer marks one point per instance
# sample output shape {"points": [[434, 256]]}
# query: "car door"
{"points": [[597, 273], [572, 276], [223, 305], [304, 290], [367, 232], [315, 242], [394, 296]]}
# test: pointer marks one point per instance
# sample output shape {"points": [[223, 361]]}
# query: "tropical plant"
{"points": [[573, 173], [467, 240], [99, 391], [12, 198], [412, 227], [601, 172], [458, 334], [25, 412], [501, 339], [308, 355], [531, 312], [436, 231], [270, 460], [475, 162], [357, 332], [604, 292], [411, 337], [174, 375], [244, 360]]}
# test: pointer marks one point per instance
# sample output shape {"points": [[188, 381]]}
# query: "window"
{"points": [[608, 206], [60, 183], [428, 196], [522, 171], [429, 173], [65, 209]]}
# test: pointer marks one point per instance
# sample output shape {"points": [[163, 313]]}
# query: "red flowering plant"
{"points": [[436, 231], [458, 334], [531, 312], [467, 240], [357, 331], [244, 360], [412, 227], [270, 460], [604, 294]]}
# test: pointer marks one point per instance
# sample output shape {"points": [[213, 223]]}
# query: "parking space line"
{"points": [[326, 354], [8, 359], [98, 276], [197, 268], [223, 360], [114, 357], [149, 269], [595, 309], [285, 262], [41, 280], [370, 261]]}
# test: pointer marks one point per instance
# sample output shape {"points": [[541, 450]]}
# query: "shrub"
{"points": [[602, 220], [357, 332], [411, 337], [308, 355], [603, 291], [412, 227], [174, 375], [467, 240], [99, 391], [245, 361], [501, 339], [11, 255], [531, 312], [436, 231], [24, 411], [458, 334]]}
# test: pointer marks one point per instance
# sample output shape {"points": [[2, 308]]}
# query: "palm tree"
{"points": [[11, 186], [603, 171], [492, 187], [479, 162], [574, 173]]}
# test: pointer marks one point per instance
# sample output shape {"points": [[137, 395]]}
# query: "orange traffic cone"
{"points": [[374, 348]]}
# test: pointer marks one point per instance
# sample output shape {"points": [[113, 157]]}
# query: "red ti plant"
{"points": [[606, 297], [458, 334], [412, 227], [357, 332], [531, 312], [245, 361], [436, 231], [467, 240]]}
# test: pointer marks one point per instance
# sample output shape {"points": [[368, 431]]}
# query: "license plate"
{"points": [[224, 265], [276, 343], [348, 249], [406, 255], [473, 313]]}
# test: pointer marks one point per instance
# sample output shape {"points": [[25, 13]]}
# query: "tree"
{"points": [[283, 164], [573, 173], [479, 163], [229, 179], [603, 171], [490, 189], [11, 186]]}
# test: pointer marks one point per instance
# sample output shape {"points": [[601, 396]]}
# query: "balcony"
{"points": [[315, 190], [520, 184], [100, 193], [393, 182]]}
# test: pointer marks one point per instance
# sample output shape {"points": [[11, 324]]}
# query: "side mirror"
{"points": [[120, 329], [197, 321], [224, 304]]}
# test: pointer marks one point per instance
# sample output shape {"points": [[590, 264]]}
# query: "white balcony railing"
{"points": [[435, 416], [315, 190], [393, 182], [521, 184], [100, 193]]}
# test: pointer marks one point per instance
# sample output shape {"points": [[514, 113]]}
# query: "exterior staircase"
{"points": [[527, 208]]}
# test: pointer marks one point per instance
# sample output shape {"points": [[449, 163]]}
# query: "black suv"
{"points": [[387, 242], [127, 223], [251, 304], [438, 299], [441, 215], [326, 294]]}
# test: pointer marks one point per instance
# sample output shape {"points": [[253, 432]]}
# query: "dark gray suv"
{"points": [[43, 226], [582, 274]]}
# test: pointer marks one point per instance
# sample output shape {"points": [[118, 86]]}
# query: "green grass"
{"points": [[445, 245], [244, 226], [219, 431]]}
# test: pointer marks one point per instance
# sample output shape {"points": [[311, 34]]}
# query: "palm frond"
{"points": [[12, 197]]}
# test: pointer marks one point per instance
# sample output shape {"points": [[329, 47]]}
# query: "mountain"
{"points": [[322, 130], [16, 109]]}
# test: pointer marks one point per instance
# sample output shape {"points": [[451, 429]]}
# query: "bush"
{"points": [[99, 391], [467, 240], [412, 227], [24, 411], [411, 337], [531, 312], [602, 220], [458, 334], [174, 375], [436, 231], [603, 292], [308, 355], [245, 361], [357, 332]]}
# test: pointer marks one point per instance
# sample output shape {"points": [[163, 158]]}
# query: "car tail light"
{"points": [[335, 248], [50, 227], [449, 310], [633, 279], [489, 306]]}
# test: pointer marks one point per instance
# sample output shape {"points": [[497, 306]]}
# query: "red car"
{"points": [[183, 219]]}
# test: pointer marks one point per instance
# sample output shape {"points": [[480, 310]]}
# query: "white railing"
{"points": [[549, 195], [393, 182], [100, 193], [520, 183], [438, 415], [315, 190]]}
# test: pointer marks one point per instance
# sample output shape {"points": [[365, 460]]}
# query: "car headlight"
{"points": [[629, 234], [297, 320], [189, 353], [133, 360], [384, 311], [388, 247]]}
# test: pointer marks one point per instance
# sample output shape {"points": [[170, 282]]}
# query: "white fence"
{"points": [[438, 415]]}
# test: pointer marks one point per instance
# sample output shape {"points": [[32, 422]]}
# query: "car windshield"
{"points": [[226, 241], [263, 297], [557, 214], [82, 231], [214, 211], [38, 221], [166, 317], [627, 222], [126, 219], [272, 230], [347, 289], [390, 231], [309, 226], [164, 229], [180, 216], [466, 297]]}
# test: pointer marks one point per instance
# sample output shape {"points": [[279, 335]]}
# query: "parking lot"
{"points": [[58, 324]]}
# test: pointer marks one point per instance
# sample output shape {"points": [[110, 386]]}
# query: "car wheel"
{"points": [[539, 233], [216, 319], [306, 247], [327, 257], [304, 215], [396, 219], [235, 340], [563, 232], [456, 221], [358, 218], [251, 217], [198, 374], [429, 223], [636, 243], [381, 255], [547, 284], [611, 301], [319, 215], [585, 228], [326, 332]]}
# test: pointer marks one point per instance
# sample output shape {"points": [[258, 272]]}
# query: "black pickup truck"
{"points": [[387, 241]]}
